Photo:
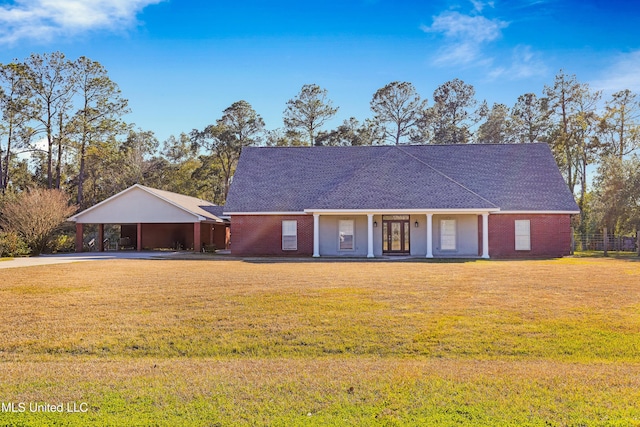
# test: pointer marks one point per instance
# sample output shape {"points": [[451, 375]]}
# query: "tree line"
{"points": [[63, 128]]}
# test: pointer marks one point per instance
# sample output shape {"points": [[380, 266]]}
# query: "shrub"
{"points": [[62, 243], [36, 215], [11, 245]]}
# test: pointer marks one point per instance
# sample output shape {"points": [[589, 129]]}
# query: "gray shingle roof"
{"points": [[191, 204], [521, 177]]}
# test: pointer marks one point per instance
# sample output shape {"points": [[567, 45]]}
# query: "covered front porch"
{"points": [[430, 234]]}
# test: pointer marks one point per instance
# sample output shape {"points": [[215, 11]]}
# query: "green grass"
{"points": [[535, 343]]}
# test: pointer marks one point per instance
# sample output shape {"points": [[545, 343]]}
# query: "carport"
{"points": [[154, 219]]}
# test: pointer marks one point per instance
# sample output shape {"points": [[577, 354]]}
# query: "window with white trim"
{"points": [[523, 235], [448, 235], [346, 235], [289, 235]]}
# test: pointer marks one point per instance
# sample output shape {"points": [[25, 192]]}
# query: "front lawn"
{"points": [[213, 342]]}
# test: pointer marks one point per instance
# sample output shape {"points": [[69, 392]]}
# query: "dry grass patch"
{"points": [[570, 310], [305, 343]]}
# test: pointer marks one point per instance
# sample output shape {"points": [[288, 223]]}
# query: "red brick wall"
{"points": [[550, 235], [166, 236], [221, 236], [253, 235]]}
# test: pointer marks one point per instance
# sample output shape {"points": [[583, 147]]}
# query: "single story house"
{"points": [[476, 200], [150, 219]]}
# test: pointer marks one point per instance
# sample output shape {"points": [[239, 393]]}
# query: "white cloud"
{"points": [[524, 64], [622, 74], [466, 36], [479, 5], [468, 42], [469, 28], [44, 20]]}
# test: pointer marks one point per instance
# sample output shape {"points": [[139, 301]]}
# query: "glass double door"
{"points": [[396, 234]]}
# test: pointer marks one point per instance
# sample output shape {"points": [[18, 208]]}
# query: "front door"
{"points": [[395, 234]]}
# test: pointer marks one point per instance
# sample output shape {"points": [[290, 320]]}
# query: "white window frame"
{"points": [[522, 228], [289, 235], [349, 223], [453, 238]]}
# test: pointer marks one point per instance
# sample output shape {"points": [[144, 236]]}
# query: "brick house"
{"points": [[153, 219], [499, 201]]}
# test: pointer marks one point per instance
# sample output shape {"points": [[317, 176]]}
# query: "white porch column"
{"points": [[485, 235], [369, 235], [429, 235], [316, 235]]}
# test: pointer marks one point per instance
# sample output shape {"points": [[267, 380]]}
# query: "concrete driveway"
{"points": [[80, 257]]}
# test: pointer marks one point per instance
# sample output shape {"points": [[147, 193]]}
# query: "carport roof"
{"points": [[178, 207]]}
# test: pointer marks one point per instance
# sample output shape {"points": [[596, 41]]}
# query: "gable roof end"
{"points": [[190, 205]]}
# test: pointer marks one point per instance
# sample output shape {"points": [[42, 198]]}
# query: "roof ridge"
{"points": [[446, 176], [186, 196]]}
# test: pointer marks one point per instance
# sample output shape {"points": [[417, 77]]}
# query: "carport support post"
{"points": [[139, 237], [197, 240], [101, 237], [79, 239]]}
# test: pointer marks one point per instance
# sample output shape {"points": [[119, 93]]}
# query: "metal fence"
{"points": [[598, 242]]}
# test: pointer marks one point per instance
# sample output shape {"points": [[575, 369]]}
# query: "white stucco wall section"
{"points": [[135, 206]]}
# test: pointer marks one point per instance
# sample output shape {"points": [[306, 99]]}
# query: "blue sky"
{"points": [[181, 62]]}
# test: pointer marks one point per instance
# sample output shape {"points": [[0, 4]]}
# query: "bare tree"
{"points": [[620, 124], [99, 115], [52, 81], [530, 118], [567, 102], [14, 115], [497, 127], [450, 119], [35, 215], [352, 132], [309, 110], [397, 107], [240, 126]]}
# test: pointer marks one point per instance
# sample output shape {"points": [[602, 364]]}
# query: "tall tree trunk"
{"points": [[49, 152], [2, 185], [58, 163], [4, 175], [581, 202], [81, 172], [4, 172], [621, 154]]}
